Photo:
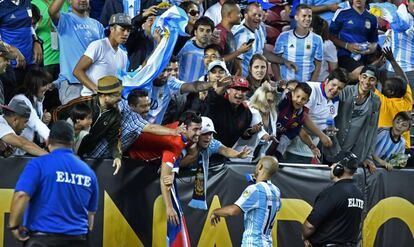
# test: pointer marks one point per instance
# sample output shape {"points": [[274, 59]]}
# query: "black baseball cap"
{"points": [[370, 71], [61, 132], [347, 159]]}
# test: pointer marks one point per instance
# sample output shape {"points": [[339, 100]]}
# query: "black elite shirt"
{"points": [[336, 215]]}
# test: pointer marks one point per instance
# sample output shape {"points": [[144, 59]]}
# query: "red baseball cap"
{"points": [[239, 82]]}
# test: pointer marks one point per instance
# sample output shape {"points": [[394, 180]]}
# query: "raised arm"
{"points": [[54, 9]]}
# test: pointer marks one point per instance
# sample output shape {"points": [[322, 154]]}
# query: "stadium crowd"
{"points": [[300, 81]]}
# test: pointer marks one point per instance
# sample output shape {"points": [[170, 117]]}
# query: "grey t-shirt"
{"points": [[359, 116]]}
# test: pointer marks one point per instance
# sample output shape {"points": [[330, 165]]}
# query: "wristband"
{"points": [[346, 45], [12, 228], [312, 146]]}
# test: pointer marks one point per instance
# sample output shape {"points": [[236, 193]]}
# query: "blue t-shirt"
{"points": [[15, 27], [191, 58], [75, 35], [260, 203], [62, 190], [352, 27], [303, 51]]}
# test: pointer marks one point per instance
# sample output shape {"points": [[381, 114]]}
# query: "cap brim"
{"points": [[241, 88], [204, 132]]}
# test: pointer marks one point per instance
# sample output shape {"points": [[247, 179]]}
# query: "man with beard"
{"points": [[301, 46], [12, 123], [106, 117], [76, 30], [152, 148], [192, 54], [259, 202], [104, 57]]}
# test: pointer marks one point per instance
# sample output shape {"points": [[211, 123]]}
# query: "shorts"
{"points": [[349, 63], [68, 91]]}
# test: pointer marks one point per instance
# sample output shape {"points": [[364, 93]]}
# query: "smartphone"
{"points": [[250, 41]]}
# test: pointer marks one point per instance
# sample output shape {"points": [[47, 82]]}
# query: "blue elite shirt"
{"points": [[62, 190], [75, 35], [303, 51], [352, 27], [15, 27], [260, 203], [191, 59]]}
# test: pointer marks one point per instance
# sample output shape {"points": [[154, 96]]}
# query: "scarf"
{"points": [[200, 182]]}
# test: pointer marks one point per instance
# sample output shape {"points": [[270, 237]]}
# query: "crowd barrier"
{"points": [[131, 211]]}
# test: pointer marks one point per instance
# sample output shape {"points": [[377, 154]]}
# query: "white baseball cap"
{"points": [[218, 63], [207, 125]]}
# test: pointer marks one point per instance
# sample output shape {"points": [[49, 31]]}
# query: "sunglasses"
{"points": [[194, 12]]}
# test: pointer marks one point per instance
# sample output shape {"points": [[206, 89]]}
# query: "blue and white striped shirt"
{"points": [[191, 60], [402, 45], [161, 97], [385, 146], [242, 34], [303, 51], [260, 203]]}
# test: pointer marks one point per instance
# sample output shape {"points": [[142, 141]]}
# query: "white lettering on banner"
{"points": [[72, 178], [355, 203]]}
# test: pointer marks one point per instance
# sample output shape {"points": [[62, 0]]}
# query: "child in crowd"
{"points": [[389, 150], [291, 115], [81, 120]]}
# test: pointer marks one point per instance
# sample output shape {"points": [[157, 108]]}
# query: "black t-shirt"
{"points": [[336, 214]]}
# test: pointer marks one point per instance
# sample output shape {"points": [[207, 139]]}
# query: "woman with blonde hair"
{"points": [[264, 117]]}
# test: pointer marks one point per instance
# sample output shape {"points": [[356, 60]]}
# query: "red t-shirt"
{"points": [[149, 147]]}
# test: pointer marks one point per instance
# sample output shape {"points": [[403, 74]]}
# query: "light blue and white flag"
{"points": [[398, 18], [173, 23]]}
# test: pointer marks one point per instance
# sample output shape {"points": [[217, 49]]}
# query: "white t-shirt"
{"points": [[106, 61], [329, 55], [214, 13], [5, 128]]}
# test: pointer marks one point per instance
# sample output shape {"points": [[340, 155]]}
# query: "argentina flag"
{"points": [[173, 22], [398, 18]]}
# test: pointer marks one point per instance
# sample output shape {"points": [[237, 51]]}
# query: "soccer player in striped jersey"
{"points": [[259, 202], [191, 55], [390, 141], [300, 46]]}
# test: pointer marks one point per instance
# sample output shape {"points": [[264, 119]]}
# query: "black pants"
{"points": [[56, 241]]}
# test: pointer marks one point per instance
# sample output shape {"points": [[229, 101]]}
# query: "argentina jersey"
{"points": [[260, 203], [161, 97], [302, 51], [191, 60], [385, 146], [402, 45], [242, 34]]}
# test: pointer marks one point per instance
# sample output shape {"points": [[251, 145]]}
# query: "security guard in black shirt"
{"points": [[336, 215]]}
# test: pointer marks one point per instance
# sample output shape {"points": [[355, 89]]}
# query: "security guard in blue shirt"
{"points": [[60, 193]]}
